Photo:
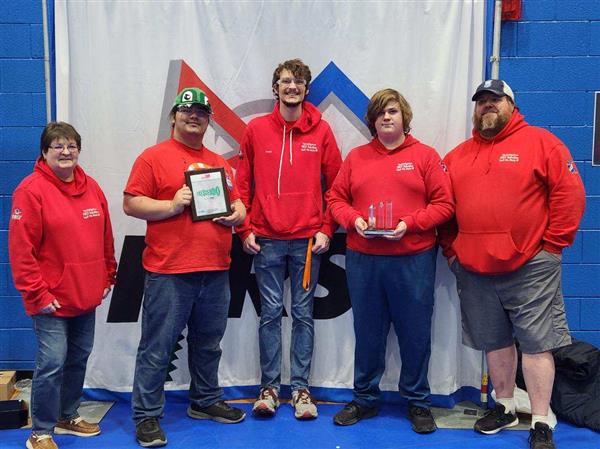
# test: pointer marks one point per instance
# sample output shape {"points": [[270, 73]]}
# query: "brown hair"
{"points": [[296, 67], [58, 130], [378, 103]]}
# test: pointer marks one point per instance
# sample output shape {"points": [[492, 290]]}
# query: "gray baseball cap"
{"points": [[497, 87]]}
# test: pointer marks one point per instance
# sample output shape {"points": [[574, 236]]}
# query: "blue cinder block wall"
{"points": [[551, 58], [22, 119]]}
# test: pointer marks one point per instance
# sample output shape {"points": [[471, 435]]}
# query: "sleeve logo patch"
{"points": [[17, 214], [571, 166]]}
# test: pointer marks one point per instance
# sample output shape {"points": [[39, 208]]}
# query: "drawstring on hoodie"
{"points": [[291, 152], [280, 163], [489, 155], [281, 159]]}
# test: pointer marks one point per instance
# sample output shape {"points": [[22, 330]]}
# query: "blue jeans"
{"points": [[199, 300], [64, 345], [396, 289], [270, 266]]}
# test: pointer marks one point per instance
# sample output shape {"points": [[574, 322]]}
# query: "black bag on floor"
{"points": [[576, 393]]}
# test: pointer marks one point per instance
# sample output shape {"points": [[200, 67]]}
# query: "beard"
{"points": [[490, 124], [291, 104]]}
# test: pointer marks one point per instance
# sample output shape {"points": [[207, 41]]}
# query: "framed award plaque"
{"points": [[210, 195]]}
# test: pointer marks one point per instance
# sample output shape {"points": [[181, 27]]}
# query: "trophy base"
{"points": [[379, 232]]}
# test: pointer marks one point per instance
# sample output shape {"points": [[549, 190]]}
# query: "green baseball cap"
{"points": [[192, 95]]}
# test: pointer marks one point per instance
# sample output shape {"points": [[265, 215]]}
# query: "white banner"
{"points": [[119, 65]]}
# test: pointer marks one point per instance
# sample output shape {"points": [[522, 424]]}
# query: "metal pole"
{"points": [[484, 382], [495, 58], [46, 62]]}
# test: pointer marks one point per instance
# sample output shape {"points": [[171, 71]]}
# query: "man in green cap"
{"points": [[187, 270]]}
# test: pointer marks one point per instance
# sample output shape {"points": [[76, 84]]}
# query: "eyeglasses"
{"points": [[193, 108], [288, 81], [60, 148]]}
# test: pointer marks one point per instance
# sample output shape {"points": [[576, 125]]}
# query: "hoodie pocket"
{"points": [[291, 212], [487, 252], [81, 285]]}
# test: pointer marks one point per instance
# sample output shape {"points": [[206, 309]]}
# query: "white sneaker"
{"points": [[304, 407], [267, 403]]}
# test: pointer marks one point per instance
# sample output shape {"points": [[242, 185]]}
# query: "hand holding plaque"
{"points": [[210, 195]]}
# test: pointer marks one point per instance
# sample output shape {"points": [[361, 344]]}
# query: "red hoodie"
{"points": [[60, 242], [411, 176], [279, 175], [515, 194]]}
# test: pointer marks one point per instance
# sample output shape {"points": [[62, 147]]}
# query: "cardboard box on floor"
{"points": [[7, 384]]}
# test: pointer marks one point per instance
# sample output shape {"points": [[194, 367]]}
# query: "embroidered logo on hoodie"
{"points": [[90, 213], [508, 157], [17, 214], [310, 147], [405, 166]]}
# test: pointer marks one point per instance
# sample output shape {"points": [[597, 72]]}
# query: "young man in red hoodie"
{"points": [[283, 157], [391, 277], [187, 271], [519, 201]]}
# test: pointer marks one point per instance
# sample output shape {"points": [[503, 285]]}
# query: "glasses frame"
{"points": [[59, 148], [289, 81], [193, 108]]}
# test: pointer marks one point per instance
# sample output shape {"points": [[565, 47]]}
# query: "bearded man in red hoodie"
{"points": [[519, 201], [283, 158]]}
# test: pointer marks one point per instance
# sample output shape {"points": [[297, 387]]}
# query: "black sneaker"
{"points": [[541, 437], [421, 419], [353, 413], [149, 434], [220, 411], [495, 420]]}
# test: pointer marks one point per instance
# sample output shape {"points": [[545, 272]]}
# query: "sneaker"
{"points": [[40, 442], [353, 413], [149, 434], [304, 407], [77, 426], [495, 420], [267, 403], [220, 411], [541, 437], [421, 419]]}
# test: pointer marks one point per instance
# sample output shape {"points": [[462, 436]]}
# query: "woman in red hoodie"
{"points": [[62, 258], [398, 183]]}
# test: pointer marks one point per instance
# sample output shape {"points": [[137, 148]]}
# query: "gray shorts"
{"points": [[526, 305]]}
